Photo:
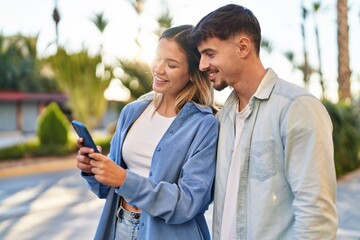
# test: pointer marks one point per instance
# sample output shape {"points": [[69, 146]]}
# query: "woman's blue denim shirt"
{"points": [[287, 175], [179, 187]]}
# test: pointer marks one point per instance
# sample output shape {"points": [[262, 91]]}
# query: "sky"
{"points": [[279, 19]]}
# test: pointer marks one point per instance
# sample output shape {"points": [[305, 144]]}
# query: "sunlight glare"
{"points": [[148, 44], [117, 91]]}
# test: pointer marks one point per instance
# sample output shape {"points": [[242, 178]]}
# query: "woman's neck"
{"points": [[167, 107]]}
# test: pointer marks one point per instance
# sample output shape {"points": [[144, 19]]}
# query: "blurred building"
{"points": [[19, 111]]}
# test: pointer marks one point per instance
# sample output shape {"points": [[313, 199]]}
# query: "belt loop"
{"points": [[118, 214]]}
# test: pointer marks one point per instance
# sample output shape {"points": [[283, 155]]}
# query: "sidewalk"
{"points": [[12, 138], [19, 167], [347, 202], [348, 188]]}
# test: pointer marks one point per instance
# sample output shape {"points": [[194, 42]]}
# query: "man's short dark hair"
{"points": [[226, 22]]}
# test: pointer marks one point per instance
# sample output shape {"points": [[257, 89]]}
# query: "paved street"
{"points": [[54, 205], [348, 206], [57, 205]]}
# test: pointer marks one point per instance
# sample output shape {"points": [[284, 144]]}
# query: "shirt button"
{"points": [[142, 224], [150, 174], [171, 131], [159, 149]]}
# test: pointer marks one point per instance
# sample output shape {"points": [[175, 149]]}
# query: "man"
{"points": [[275, 175]]}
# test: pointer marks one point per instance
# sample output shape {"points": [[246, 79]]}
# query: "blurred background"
{"points": [[62, 60], [89, 58]]}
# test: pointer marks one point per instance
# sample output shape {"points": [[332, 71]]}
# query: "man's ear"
{"points": [[244, 45]]}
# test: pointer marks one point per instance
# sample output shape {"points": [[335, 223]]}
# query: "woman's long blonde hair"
{"points": [[199, 89]]}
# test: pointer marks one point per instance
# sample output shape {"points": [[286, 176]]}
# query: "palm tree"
{"points": [[316, 8], [138, 7], [344, 72], [56, 18], [305, 66], [19, 66], [137, 77], [165, 21], [137, 73], [100, 22], [77, 78]]}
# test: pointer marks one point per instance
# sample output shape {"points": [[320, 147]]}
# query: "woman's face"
{"points": [[169, 68]]}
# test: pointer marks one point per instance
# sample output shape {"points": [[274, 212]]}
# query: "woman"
{"points": [[158, 176]]}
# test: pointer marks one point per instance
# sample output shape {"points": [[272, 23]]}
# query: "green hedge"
{"points": [[346, 136], [33, 148]]}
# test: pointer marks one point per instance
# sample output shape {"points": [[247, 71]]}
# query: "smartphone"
{"points": [[82, 131]]}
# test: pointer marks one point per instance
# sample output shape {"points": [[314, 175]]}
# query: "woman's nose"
{"points": [[158, 68]]}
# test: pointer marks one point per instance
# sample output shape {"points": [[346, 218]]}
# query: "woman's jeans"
{"points": [[127, 225]]}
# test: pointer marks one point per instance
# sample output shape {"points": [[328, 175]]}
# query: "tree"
{"points": [[316, 9], [305, 68], [164, 21], [56, 18], [100, 22], [76, 74], [138, 7], [19, 66], [344, 72], [137, 75]]}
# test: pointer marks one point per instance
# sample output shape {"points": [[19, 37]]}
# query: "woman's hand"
{"points": [[83, 159], [106, 170]]}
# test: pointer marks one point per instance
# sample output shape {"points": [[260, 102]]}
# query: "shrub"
{"points": [[12, 152], [53, 127], [346, 136], [32, 148]]}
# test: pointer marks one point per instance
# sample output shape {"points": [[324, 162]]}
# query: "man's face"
{"points": [[219, 60]]}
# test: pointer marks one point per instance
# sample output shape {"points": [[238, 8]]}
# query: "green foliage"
{"points": [[33, 148], [165, 20], [13, 152], [53, 127], [19, 66], [103, 142], [76, 74], [346, 136], [100, 21], [137, 78]]}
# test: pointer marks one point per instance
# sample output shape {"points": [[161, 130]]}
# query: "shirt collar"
{"points": [[263, 91], [266, 86]]}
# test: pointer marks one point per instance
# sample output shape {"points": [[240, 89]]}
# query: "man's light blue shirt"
{"points": [[287, 185]]}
